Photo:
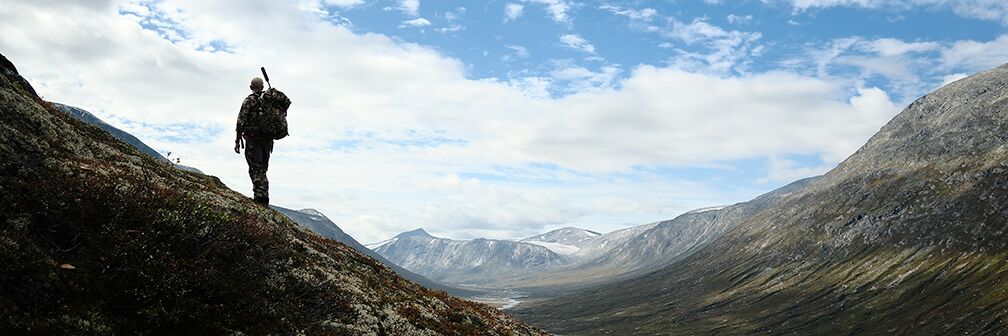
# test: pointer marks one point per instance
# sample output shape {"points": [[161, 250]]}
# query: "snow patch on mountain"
{"points": [[378, 245], [568, 236], [561, 249], [707, 209], [312, 212]]}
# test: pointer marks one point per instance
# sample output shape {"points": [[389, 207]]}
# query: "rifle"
{"points": [[266, 76]]}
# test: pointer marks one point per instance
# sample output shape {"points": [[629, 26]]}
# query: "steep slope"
{"points": [[320, 224], [100, 239], [907, 236], [477, 261], [671, 240], [607, 241]]}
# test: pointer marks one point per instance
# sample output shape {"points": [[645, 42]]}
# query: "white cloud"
{"points": [[700, 30], [671, 111], [411, 7], [725, 51], [739, 19], [533, 87], [513, 11], [455, 14], [577, 42], [948, 79], [894, 47], [646, 14], [556, 8], [912, 68], [344, 3], [784, 170], [981, 9], [519, 51], [806, 4], [449, 29], [578, 79], [388, 135], [975, 55], [418, 22]]}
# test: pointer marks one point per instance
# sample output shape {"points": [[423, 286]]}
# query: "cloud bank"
{"points": [[388, 135]]}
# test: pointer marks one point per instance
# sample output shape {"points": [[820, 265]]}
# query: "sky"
{"points": [[506, 119]]}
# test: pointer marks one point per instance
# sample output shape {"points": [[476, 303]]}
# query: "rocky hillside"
{"points": [[905, 237], [474, 262], [672, 240], [100, 239]]}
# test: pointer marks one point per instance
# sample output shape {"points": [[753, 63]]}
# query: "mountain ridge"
{"points": [[476, 261]]}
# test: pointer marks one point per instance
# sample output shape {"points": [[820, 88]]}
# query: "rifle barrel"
{"points": [[265, 76]]}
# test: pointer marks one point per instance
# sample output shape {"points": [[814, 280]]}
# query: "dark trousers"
{"points": [[257, 154]]}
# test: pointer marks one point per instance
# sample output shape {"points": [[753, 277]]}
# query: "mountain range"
{"points": [[570, 258], [467, 262]]}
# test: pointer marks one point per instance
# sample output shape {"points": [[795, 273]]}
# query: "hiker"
{"points": [[261, 120]]}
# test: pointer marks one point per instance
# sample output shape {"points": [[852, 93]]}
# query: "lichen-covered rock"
{"points": [[156, 250]]}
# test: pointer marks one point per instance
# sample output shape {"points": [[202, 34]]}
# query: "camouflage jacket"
{"points": [[250, 106]]}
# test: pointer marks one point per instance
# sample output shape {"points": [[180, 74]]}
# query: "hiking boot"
{"points": [[261, 200]]}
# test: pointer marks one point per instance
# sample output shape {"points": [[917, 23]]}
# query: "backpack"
{"points": [[271, 121]]}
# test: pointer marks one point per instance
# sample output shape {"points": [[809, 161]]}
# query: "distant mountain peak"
{"points": [[577, 229], [564, 241], [420, 232], [567, 235]]}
